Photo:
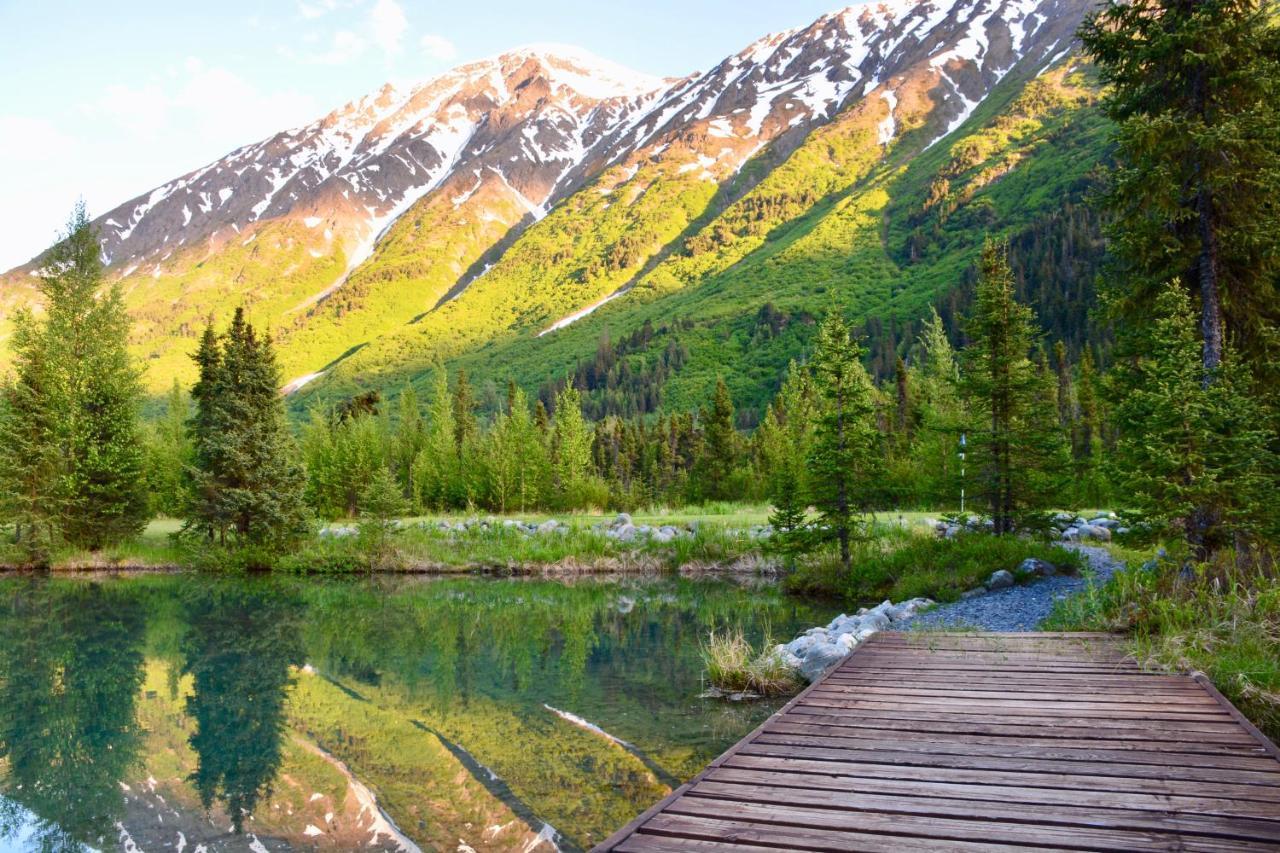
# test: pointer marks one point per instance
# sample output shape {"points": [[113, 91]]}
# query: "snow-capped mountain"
{"points": [[544, 120], [479, 155]]}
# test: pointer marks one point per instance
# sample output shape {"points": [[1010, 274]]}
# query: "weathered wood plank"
{"points": [[1059, 816], [1164, 804]]}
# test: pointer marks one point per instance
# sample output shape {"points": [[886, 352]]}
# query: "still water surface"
{"points": [[188, 713]]}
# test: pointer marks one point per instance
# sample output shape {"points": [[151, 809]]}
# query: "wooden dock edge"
{"points": [[626, 831], [1266, 743]]}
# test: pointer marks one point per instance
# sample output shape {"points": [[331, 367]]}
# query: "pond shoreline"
{"points": [[626, 565]]}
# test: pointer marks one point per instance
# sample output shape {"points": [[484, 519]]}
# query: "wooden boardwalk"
{"points": [[983, 742]]}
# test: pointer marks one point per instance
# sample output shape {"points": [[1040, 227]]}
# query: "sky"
{"points": [[104, 101]]}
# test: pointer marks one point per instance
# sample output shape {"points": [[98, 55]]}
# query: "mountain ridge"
{"points": [[372, 238]]}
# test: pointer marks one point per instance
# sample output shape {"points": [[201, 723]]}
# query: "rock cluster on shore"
{"points": [[1067, 527], [1078, 528], [621, 529], [818, 649]]}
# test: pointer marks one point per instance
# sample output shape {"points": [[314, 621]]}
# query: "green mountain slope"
{"points": [[881, 233]]}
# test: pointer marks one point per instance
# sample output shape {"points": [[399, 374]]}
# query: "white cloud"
{"points": [[316, 9], [346, 47], [387, 25], [438, 47]]}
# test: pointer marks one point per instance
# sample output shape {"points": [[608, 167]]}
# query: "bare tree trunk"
{"points": [[1210, 295]]}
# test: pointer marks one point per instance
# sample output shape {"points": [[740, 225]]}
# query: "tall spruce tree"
{"points": [[722, 445], [785, 443], [409, 439], [846, 454], [1017, 445], [246, 480], [436, 467], [168, 455], [1194, 89], [571, 449], [1184, 446], [75, 465]]}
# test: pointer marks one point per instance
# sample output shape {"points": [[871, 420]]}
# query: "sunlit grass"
{"points": [[734, 665]]}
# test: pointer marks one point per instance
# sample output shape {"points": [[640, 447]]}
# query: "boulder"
{"points": [[845, 625], [1071, 534], [1101, 534], [819, 659], [1002, 579], [1108, 523], [800, 646], [846, 642], [876, 620], [622, 519], [907, 609], [338, 532], [1038, 567], [549, 526], [973, 593], [624, 532]]}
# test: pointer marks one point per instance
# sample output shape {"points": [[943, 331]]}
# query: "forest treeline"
{"points": [[1180, 429]]}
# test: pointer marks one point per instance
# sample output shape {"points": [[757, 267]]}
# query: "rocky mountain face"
{"points": [[353, 232]]}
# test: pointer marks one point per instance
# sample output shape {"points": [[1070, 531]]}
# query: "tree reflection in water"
{"points": [[240, 643], [70, 670]]}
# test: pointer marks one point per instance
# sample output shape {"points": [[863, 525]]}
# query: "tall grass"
{"points": [[733, 664]]}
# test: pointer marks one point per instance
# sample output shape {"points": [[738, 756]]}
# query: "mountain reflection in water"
{"points": [[187, 712]]}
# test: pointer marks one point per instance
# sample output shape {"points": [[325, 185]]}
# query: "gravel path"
{"points": [[1021, 607]]}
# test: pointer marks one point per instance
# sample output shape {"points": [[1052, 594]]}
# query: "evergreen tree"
{"points": [[464, 414], [721, 446], [381, 505], [902, 402], [1066, 392], [516, 457], [1184, 446], [934, 459], [1015, 441], [409, 439], [168, 455], [846, 455], [76, 466], [786, 441], [436, 467], [571, 448], [1194, 89], [246, 481]]}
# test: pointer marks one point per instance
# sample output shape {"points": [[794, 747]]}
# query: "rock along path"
{"points": [[1022, 607]]}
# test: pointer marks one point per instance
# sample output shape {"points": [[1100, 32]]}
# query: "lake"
{"points": [[188, 712]]}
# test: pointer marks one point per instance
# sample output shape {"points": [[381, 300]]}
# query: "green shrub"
{"points": [[899, 564]]}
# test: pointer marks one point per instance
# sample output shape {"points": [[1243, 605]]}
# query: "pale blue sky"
{"points": [[107, 100]]}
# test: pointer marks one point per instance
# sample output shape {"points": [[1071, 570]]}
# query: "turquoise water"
{"points": [[171, 712]]}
